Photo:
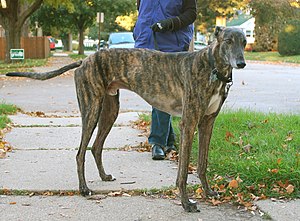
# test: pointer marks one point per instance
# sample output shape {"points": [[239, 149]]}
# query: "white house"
{"points": [[246, 22]]}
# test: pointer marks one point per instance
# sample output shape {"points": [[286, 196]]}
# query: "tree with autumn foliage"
{"points": [[270, 17], [208, 10]]}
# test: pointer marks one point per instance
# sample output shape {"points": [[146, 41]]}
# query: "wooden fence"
{"points": [[34, 47]]}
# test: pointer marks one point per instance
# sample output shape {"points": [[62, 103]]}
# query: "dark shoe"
{"points": [[157, 152], [168, 149]]}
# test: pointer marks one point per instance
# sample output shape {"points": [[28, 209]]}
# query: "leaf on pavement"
{"points": [[115, 194], [2, 154], [215, 202], [192, 169]]}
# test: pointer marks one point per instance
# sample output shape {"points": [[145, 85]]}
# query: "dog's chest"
{"points": [[215, 101]]}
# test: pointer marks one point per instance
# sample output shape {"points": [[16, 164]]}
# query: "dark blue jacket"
{"points": [[152, 11]]}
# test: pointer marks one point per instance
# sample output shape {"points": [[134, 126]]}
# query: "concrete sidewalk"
{"points": [[44, 153], [44, 160]]}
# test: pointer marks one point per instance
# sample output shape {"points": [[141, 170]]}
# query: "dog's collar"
{"points": [[215, 74]]}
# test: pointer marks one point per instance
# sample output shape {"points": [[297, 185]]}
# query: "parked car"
{"points": [[52, 42], [121, 40], [198, 45], [58, 44]]}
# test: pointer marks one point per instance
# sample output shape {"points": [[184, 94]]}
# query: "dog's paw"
{"points": [[191, 206], [108, 178], [85, 192]]}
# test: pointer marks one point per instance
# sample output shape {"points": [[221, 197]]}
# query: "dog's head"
{"points": [[231, 43]]}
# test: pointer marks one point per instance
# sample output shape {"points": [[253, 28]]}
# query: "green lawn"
{"points": [[25, 65], [260, 151], [271, 56], [6, 109], [77, 56]]}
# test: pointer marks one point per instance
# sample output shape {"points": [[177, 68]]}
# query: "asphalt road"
{"points": [[259, 87]]}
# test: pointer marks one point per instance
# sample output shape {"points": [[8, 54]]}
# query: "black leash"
{"points": [[155, 41]]}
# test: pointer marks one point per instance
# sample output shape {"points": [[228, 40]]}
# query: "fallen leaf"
{"points": [[274, 170], [228, 136], [48, 193], [239, 143], [2, 154], [290, 188], [239, 179], [279, 160], [262, 197], [247, 148], [233, 184], [289, 137], [114, 194], [283, 185], [276, 189], [192, 169], [126, 195], [215, 202], [199, 191]]}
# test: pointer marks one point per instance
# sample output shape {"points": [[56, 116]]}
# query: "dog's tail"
{"points": [[45, 75]]}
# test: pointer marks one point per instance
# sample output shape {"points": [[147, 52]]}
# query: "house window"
{"points": [[248, 33]]}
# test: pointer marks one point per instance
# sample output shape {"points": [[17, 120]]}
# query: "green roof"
{"points": [[238, 20]]}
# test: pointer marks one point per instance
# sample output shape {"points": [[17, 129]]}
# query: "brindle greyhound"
{"points": [[193, 85]]}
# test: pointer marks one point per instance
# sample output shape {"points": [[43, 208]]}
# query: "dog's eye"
{"points": [[229, 41]]}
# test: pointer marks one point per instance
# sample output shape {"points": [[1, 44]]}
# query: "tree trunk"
{"points": [[13, 39], [81, 38], [12, 20]]}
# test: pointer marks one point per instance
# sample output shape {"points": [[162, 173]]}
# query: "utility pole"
{"points": [[100, 20]]}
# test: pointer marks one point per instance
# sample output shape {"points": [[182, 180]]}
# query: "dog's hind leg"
{"points": [[205, 131], [189, 122], [90, 105], [108, 115]]}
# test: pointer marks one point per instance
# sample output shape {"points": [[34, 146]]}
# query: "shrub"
{"points": [[288, 39]]}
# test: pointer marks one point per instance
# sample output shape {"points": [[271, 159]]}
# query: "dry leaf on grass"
{"points": [[290, 188], [233, 184], [228, 135]]}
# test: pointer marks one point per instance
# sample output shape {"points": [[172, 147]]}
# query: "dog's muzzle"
{"points": [[241, 64]]}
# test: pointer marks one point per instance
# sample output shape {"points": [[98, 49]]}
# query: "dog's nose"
{"points": [[241, 64]]}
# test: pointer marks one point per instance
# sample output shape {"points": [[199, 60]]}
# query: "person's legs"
{"points": [[161, 133]]}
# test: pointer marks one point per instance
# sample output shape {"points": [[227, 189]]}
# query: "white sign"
{"points": [[17, 54], [100, 17]]}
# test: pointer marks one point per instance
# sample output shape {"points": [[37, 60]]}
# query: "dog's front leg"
{"points": [[189, 122], [205, 128]]}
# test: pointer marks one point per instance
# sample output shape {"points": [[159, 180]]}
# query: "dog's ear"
{"points": [[218, 30]]}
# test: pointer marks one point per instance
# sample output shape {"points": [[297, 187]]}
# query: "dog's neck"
{"points": [[223, 74]]}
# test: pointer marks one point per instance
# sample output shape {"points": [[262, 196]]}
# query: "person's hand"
{"points": [[163, 25]]}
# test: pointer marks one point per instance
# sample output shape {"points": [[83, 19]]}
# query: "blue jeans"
{"points": [[161, 132]]}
